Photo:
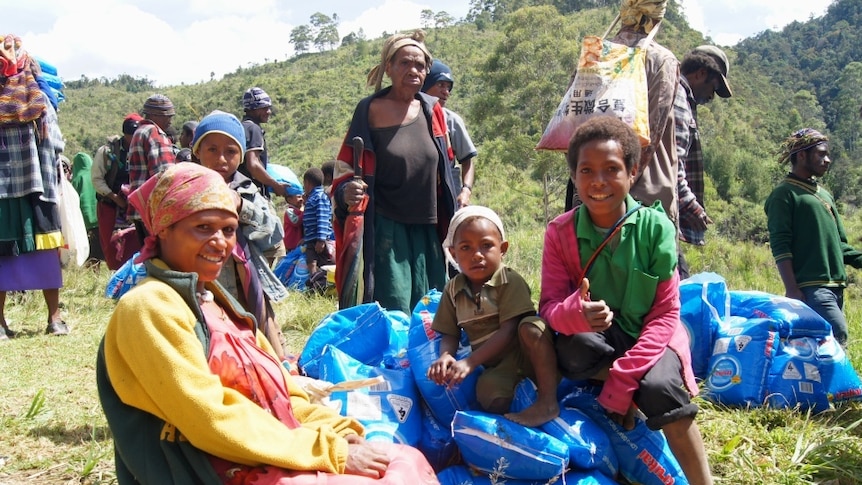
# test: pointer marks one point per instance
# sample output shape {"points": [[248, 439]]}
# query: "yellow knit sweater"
{"points": [[156, 363]]}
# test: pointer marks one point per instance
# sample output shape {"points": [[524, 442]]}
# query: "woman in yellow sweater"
{"points": [[192, 393]]}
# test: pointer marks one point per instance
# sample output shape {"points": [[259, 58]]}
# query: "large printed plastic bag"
{"points": [[589, 446], [283, 175], [704, 303], [610, 80], [368, 333], [644, 455], [491, 443], [423, 348], [792, 317], [436, 441], [292, 269], [126, 276], [389, 411], [462, 475], [743, 354]]}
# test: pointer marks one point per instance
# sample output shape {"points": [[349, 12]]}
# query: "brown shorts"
{"points": [[499, 381]]}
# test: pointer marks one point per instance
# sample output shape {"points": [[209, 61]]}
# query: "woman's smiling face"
{"points": [[200, 243]]}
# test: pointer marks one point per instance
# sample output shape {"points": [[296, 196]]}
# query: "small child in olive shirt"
{"points": [[491, 303]]}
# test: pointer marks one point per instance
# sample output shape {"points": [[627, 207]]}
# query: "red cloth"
{"points": [[292, 228], [115, 254]]}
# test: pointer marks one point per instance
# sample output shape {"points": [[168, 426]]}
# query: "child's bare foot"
{"points": [[537, 414]]}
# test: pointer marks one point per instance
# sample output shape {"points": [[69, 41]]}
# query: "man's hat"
{"points": [[721, 63], [438, 72], [255, 98], [130, 123], [158, 104]]}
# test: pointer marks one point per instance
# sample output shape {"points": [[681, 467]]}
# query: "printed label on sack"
{"points": [[364, 406], [725, 373], [401, 405], [741, 342], [791, 372]]}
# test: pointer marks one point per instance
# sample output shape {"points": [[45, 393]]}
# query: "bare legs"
{"points": [[52, 301], [686, 443], [543, 357]]}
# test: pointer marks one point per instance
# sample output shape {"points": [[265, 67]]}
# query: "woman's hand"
{"points": [[354, 190], [366, 460]]}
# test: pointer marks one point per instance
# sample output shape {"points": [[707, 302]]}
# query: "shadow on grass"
{"points": [[61, 435]]}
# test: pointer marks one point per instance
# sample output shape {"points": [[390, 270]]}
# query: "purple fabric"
{"points": [[39, 270]]}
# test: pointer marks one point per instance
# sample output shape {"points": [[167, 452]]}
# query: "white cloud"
{"points": [[183, 41]]}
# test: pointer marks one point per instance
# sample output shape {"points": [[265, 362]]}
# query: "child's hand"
{"points": [[598, 314], [458, 371], [439, 368], [627, 421]]}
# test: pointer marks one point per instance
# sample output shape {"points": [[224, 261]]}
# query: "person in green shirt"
{"points": [[806, 233]]}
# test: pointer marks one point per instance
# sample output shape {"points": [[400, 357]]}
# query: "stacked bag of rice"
{"points": [[758, 349]]}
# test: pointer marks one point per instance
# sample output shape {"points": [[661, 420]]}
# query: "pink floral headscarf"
{"points": [[179, 191]]}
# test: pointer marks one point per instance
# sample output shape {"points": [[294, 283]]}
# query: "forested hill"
{"points": [[512, 60]]}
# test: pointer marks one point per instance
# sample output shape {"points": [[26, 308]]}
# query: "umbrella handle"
{"points": [[358, 148]]}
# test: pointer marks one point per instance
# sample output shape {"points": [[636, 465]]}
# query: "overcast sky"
{"points": [[184, 41]]}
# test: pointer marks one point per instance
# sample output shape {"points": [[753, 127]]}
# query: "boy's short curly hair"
{"points": [[605, 128], [314, 176]]}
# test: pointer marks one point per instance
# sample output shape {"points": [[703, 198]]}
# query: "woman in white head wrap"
{"points": [[406, 178]]}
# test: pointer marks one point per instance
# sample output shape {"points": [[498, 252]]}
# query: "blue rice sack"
{"points": [[643, 454], [840, 379], [422, 317], [126, 276], [461, 475], [292, 269], [793, 317], [589, 446], [742, 356], [794, 376], [423, 348], [436, 441], [704, 303], [389, 411], [443, 401], [367, 332], [495, 445], [811, 373], [284, 175]]}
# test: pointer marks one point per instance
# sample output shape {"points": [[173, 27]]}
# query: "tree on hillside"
{"points": [[442, 19], [300, 37], [426, 18], [325, 30]]}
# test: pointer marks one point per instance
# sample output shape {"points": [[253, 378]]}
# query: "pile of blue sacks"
{"points": [[757, 349], [463, 444]]}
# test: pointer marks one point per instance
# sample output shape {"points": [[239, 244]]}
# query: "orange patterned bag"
{"points": [[610, 80]]}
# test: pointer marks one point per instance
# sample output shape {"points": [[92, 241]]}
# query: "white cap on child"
{"points": [[467, 212]]}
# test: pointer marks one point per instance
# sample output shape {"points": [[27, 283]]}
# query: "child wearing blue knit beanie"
{"points": [[219, 144]]}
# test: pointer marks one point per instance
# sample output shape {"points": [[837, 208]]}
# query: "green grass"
{"points": [[54, 432]]}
